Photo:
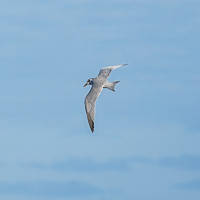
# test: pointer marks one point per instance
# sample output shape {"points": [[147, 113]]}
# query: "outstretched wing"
{"points": [[105, 72], [90, 102]]}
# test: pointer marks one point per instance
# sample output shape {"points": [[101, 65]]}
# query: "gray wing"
{"points": [[90, 102], [105, 72]]}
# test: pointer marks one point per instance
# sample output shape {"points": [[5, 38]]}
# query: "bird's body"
{"points": [[98, 84]]}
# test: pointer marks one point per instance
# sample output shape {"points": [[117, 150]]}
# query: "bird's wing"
{"points": [[90, 101], [105, 72]]}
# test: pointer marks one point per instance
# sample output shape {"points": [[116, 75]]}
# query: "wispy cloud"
{"points": [[183, 162], [49, 188], [191, 185], [85, 165]]}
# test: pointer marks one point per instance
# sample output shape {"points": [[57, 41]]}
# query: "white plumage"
{"points": [[98, 84]]}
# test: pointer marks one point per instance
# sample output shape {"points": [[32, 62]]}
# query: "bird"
{"points": [[98, 84]]}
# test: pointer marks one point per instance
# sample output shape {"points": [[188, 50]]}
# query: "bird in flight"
{"points": [[98, 84]]}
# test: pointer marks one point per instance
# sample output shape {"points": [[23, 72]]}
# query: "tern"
{"points": [[98, 84]]}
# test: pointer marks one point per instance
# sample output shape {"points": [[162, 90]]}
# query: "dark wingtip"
{"points": [[91, 123], [92, 129]]}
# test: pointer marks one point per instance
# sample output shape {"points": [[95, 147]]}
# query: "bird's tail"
{"points": [[111, 86]]}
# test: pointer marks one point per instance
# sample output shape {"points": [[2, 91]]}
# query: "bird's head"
{"points": [[89, 82]]}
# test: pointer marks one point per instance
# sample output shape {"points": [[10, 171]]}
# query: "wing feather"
{"points": [[90, 102], [105, 72]]}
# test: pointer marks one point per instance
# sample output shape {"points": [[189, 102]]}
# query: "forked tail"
{"points": [[111, 86]]}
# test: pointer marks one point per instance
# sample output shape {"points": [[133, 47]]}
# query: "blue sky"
{"points": [[147, 133]]}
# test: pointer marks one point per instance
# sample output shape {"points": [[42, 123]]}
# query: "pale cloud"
{"points": [[183, 162], [188, 185], [48, 189], [85, 165]]}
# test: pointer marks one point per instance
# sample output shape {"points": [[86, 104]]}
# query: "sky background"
{"points": [[147, 134]]}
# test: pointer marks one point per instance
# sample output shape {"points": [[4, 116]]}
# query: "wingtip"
{"points": [[120, 65], [92, 126], [92, 129]]}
